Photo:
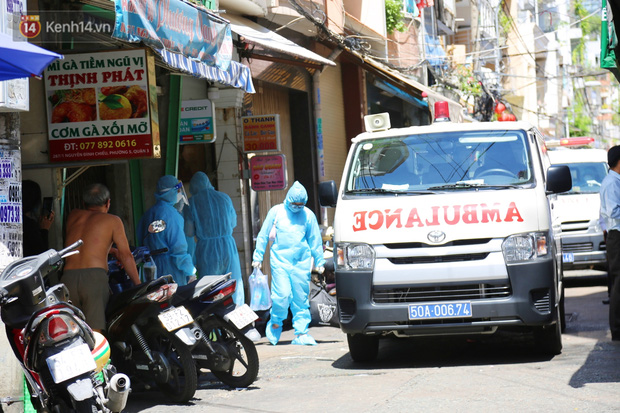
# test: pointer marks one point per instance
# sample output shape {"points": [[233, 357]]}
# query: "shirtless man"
{"points": [[86, 274]]}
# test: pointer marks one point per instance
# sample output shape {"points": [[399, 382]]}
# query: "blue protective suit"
{"points": [[177, 261], [297, 241], [211, 218]]}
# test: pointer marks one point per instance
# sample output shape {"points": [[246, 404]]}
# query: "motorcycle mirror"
{"points": [[157, 226]]}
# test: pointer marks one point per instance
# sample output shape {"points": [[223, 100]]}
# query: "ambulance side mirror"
{"points": [[558, 179], [328, 194]]}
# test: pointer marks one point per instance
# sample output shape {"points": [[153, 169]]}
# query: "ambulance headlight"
{"points": [[355, 256], [594, 226], [525, 247]]}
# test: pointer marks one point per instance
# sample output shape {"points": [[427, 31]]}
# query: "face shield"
{"points": [[181, 196]]}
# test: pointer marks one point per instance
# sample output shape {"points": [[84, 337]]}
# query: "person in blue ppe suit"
{"points": [[211, 218], [176, 261], [297, 241]]}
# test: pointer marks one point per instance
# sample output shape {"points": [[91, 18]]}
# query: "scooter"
{"points": [[65, 363], [220, 329], [148, 334]]}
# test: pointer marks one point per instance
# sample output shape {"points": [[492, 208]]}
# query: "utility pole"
{"points": [[560, 116]]}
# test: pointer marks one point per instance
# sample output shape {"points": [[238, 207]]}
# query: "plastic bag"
{"points": [[323, 308], [259, 291]]}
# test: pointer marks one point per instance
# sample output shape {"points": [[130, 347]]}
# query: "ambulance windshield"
{"points": [[438, 161], [587, 177]]}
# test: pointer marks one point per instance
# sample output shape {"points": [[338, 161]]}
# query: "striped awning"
{"points": [[238, 75]]}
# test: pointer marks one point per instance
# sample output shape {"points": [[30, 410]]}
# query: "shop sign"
{"points": [[102, 106], [261, 133], [268, 172], [175, 26], [197, 122]]}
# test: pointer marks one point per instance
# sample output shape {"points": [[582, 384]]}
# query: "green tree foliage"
{"points": [[394, 16], [590, 27], [579, 119]]}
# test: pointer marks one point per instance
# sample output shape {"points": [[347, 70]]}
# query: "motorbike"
{"points": [[219, 328], [217, 337], [147, 333], [65, 363]]}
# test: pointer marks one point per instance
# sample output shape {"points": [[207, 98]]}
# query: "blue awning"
{"points": [[238, 75]]}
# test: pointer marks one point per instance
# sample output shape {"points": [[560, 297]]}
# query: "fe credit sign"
{"points": [[261, 133]]}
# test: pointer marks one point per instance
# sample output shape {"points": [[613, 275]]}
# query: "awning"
{"points": [[254, 33], [435, 54], [414, 87], [23, 59], [237, 75]]}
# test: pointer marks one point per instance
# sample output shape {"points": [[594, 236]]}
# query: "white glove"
{"points": [[320, 270], [256, 264]]}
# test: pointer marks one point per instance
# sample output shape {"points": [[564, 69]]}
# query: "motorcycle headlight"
{"points": [[525, 247], [355, 256]]}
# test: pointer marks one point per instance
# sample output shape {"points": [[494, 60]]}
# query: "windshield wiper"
{"points": [[463, 185], [386, 191]]}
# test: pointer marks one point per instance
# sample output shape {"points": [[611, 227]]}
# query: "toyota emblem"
{"points": [[436, 236]]}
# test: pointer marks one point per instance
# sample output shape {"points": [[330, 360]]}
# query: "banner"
{"points": [[268, 172], [175, 26], [102, 106]]}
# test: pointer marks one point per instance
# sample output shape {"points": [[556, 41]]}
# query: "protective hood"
{"points": [[297, 193], [165, 189], [199, 182]]}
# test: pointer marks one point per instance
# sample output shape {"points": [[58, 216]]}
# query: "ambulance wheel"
{"points": [[548, 339], [363, 348]]}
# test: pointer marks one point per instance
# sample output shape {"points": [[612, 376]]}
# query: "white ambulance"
{"points": [[447, 229], [583, 243]]}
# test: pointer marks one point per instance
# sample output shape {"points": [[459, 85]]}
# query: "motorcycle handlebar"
{"points": [[70, 248], [159, 251]]}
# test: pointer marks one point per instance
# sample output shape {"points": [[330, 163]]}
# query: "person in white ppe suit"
{"points": [[297, 241]]}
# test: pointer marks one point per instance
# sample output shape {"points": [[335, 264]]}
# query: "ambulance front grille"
{"points": [[441, 293], [577, 247], [438, 258]]}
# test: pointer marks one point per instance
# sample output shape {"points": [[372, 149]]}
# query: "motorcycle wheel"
{"points": [[183, 381], [240, 350], [86, 406]]}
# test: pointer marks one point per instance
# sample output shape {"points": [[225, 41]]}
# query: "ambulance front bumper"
{"points": [[524, 296]]}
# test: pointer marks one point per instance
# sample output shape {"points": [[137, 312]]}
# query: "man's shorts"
{"points": [[89, 291]]}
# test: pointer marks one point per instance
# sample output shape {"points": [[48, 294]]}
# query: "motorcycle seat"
{"points": [[197, 288], [121, 300]]}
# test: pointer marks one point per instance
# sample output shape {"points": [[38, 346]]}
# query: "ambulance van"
{"points": [[447, 229], [583, 242]]}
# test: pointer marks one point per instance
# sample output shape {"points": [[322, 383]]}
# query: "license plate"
{"points": [[241, 316], [175, 318], [70, 363], [568, 257], [455, 309]]}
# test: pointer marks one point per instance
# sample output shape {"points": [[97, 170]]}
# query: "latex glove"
{"points": [[256, 264], [191, 278], [320, 270]]}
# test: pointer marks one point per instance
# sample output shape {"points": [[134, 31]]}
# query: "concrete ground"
{"points": [[11, 377]]}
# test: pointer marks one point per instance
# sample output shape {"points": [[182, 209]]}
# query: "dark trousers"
{"points": [[613, 261]]}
